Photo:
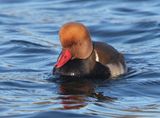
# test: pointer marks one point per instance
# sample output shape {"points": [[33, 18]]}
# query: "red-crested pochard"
{"points": [[80, 57]]}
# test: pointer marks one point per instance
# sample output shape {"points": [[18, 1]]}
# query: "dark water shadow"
{"points": [[76, 93]]}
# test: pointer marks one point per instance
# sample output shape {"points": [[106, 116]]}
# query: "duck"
{"points": [[82, 57]]}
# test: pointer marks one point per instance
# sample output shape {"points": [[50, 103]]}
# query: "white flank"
{"points": [[97, 57], [116, 69]]}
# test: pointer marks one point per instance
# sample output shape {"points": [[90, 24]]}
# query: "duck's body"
{"points": [[81, 57], [110, 58]]}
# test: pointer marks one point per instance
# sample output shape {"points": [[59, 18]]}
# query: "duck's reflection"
{"points": [[75, 94]]}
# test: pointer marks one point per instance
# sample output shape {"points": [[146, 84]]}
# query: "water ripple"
{"points": [[29, 48]]}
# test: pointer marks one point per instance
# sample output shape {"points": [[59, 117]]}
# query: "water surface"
{"points": [[29, 47]]}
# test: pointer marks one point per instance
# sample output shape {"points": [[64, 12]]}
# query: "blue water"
{"points": [[29, 47]]}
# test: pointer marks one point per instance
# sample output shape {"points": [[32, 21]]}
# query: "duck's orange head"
{"points": [[76, 43]]}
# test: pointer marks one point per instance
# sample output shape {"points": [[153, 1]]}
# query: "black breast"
{"points": [[83, 68]]}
